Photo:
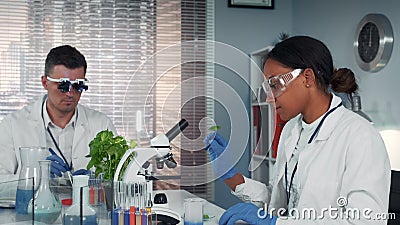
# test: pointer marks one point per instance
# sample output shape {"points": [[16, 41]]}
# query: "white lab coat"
{"points": [[25, 127], [346, 159]]}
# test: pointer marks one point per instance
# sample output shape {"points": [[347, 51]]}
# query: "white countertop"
{"points": [[175, 200]]}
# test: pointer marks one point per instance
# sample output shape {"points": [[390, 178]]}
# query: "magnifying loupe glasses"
{"points": [[65, 84]]}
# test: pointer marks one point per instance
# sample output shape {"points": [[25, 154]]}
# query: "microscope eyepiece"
{"points": [[177, 129]]}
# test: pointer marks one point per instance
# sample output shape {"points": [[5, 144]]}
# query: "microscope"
{"points": [[139, 167], [159, 147]]}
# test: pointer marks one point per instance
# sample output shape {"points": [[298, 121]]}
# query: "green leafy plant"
{"points": [[106, 151]]}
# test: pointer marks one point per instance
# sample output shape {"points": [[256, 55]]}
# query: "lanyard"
{"points": [[53, 139], [309, 142], [58, 148]]}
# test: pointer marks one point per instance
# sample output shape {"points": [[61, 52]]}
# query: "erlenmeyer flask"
{"points": [[28, 176], [80, 212], [45, 206]]}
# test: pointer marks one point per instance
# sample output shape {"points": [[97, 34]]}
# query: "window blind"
{"points": [[138, 60]]}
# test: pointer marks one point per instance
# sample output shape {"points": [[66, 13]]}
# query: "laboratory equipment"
{"points": [[44, 205], [28, 176], [80, 210], [164, 213], [136, 174], [356, 106], [159, 147], [193, 211], [160, 198], [132, 205]]}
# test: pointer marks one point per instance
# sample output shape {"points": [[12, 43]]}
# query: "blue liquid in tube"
{"points": [[115, 217], [193, 223], [22, 200], [126, 217]]}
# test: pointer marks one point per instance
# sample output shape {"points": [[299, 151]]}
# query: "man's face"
{"points": [[63, 103]]}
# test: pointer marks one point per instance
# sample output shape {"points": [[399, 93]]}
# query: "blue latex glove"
{"points": [[58, 166], [216, 145], [247, 212], [81, 172]]}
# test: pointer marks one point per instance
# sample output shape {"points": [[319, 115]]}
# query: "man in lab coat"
{"points": [[55, 120]]}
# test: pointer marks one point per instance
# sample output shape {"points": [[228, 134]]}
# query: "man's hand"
{"points": [[81, 172], [58, 166]]}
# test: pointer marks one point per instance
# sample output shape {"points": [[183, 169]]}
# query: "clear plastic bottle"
{"points": [[45, 206], [73, 215]]}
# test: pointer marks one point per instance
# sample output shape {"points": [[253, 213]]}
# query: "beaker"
{"points": [[28, 176], [44, 204], [193, 211]]}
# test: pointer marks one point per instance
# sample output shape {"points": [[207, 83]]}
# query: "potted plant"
{"points": [[106, 152]]}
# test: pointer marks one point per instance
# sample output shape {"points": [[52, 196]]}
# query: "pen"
{"points": [[68, 172]]}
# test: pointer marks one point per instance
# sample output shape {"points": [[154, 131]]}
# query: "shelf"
{"points": [[260, 104], [264, 158], [262, 117]]}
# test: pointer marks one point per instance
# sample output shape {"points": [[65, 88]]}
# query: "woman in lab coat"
{"points": [[332, 166]]}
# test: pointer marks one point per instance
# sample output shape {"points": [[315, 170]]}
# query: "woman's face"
{"points": [[295, 97]]}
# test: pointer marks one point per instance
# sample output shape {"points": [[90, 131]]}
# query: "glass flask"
{"points": [[80, 198], [44, 205], [28, 176]]}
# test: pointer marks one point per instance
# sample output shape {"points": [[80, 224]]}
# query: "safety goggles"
{"points": [[276, 85], [65, 84]]}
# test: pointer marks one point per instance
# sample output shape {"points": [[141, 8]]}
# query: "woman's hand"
{"points": [[216, 146], [247, 212]]}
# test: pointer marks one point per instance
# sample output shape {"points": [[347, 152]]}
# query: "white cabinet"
{"points": [[262, 120]]}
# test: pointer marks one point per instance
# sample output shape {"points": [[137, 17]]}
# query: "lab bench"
{"points": [[175, 200]]}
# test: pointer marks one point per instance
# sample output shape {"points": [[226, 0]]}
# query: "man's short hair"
{"points": [[65, 55]]}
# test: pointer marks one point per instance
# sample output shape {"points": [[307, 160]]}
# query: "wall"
{"points": [[247, 30], [335, 23]]}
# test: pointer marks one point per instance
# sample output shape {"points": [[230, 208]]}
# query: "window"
{"points": [[139, 59]]}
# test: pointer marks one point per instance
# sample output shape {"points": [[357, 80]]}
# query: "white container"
{"points": [[80, 198]]}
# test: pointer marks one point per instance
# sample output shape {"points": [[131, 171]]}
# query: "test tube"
{"points": [[121, 217], [126, 217], [117, 218], [138, 217], [143, 213], [149, 218], [115, 215], [132, 219]]}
